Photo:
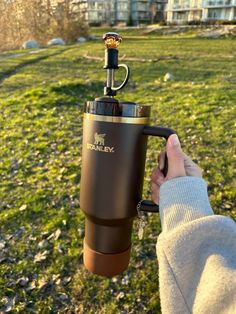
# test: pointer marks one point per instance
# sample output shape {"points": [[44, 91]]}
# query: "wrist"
{"points": [[182, 200]]}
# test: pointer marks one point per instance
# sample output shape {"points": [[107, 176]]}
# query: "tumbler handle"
{"points": [[146, 205], [127, 75]]}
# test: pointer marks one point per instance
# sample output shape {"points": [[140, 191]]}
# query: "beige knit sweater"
{"points": [[196, 251]]}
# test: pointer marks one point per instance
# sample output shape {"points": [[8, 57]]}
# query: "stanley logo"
{"points": [[99, 144]]}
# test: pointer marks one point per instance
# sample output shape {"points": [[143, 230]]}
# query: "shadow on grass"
{"points": [[86, 91], [14, 70], [63, 95]]}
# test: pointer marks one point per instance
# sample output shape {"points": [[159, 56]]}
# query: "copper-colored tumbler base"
{"points": [[107, 265]]}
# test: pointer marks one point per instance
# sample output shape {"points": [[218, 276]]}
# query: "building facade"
{"points": [[219, 10], [135, 12], [130, 12], [182, 11]]}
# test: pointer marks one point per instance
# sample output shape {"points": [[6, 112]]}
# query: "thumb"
{"points": [[175, 158]]}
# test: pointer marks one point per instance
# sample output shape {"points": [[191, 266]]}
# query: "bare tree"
{"points": [[67, 21], [153, 12], [22, 20]]}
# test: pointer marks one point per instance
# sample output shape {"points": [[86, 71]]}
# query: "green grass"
{"points": [[41, 105]]}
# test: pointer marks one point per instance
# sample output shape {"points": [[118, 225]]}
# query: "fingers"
{"points": [[161, 160], [155, 190], [175, 158], [154, 174], [191, 168], [157, 176], [161, 164], [179, 165]]}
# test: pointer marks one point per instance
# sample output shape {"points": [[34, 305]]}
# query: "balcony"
{"points": [[219, 3], [184, 7], [181, 6]]}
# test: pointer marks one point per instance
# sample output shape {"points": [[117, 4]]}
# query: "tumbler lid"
{"points": [[107, 265], [108, 106]]}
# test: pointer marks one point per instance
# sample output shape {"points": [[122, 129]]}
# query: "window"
{"points": [[122, 6], [214, 13], [197, 15], [122, 16], [227, 14], [183, 16], [100, 16], [92, 5], [142, 16], [142, 7], [93, 16]]}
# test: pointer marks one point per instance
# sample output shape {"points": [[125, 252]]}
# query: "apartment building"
{"points": [[181, 11], [184, 10], [135, 12], [140, 11], [219, 10], [113, 12]]}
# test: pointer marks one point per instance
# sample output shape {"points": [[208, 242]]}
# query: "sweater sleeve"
{"points": [[196, 251]]}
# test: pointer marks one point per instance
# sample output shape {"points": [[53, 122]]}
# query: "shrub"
{"points": [[162, 23], [229, 22], [195, 22], [220, 22]]}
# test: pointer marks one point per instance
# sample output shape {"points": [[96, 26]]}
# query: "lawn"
{"points": [[41, 106]]}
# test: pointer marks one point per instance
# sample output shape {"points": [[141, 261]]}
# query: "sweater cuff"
{"points": [[182, 200]]}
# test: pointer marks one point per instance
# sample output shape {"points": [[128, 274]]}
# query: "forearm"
{"points": [[182, 200], [193, 245]]}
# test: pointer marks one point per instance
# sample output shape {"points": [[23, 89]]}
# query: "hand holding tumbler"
{"points": [[113, 161]]}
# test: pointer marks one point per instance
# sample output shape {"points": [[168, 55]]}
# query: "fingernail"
{"points": [[161, 167], [174, 140]]}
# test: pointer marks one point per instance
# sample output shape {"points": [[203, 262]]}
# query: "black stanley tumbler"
{"points": [[113, 161]]}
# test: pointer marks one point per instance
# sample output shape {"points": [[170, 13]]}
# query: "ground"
{"points": [[41, 105]]}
